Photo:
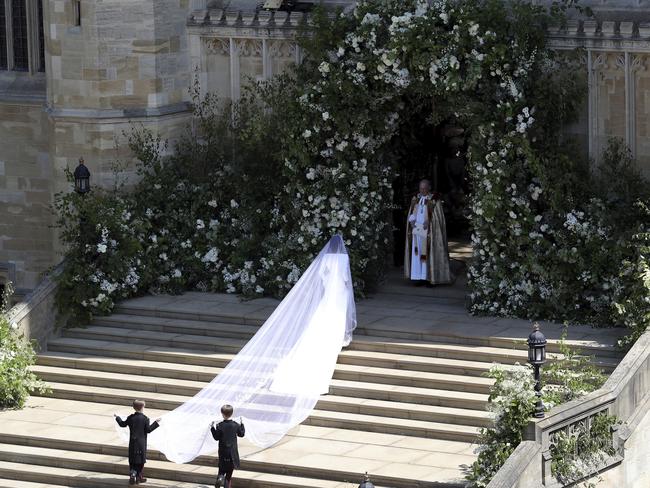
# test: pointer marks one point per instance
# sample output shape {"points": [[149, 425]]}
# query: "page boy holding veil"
{"points": [[426, 258], [139, 427], [226, 434]]}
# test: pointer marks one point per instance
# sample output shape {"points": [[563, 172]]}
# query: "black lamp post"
{"points": [[366, 482], [537, 357], [81, 178]]}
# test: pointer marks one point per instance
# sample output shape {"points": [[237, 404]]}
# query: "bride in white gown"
{"points": [[310, 364], [275, 380]]}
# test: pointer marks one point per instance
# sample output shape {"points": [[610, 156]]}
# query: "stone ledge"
{"points": [[129, 113], [35, 315], [515, 472]]}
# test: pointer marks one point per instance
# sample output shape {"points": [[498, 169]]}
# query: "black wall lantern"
{"points": [[537, 357], [81, 178]]}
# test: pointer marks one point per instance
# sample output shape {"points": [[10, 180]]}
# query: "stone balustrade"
{"points": [[35, 315], [626, 394]]}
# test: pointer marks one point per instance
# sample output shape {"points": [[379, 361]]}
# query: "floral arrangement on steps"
{"points": [[246, 198], [16, 357], [512, 402]]}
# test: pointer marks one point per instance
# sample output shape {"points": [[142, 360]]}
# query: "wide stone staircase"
{"points": [[405, 403]]}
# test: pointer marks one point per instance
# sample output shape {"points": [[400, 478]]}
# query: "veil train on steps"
{"points": [[274, 382]]}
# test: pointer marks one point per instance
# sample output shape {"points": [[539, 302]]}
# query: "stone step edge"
{"points": [[321, 418], [114, 472], [365, 329], [222, 358], [468, 365], [421, 379], [371, 344], [428, 396], [330, 402], [266, 467]]}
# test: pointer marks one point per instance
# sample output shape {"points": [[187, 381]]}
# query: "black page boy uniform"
{"points": [[139, 428], [226, 434]]}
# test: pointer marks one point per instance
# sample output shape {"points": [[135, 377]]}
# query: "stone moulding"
{"points": [[625, 394], [130, 113], [247, 19], [604, 35]]}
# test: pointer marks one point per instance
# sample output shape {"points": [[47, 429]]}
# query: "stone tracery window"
{"points": [[22, 46], [3, 37], [19, 35]]}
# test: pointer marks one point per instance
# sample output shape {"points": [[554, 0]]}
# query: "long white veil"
{"points": [[274, 382]]}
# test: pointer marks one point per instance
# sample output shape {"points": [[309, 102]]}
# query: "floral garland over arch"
{"points": [[479, 63]]}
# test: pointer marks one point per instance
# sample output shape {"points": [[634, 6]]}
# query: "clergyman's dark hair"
{"points": [[138, 405], [227, 411]]}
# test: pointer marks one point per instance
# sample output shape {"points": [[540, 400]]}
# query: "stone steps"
{"points": [[406, 402], [244, 332], [190, 372], [332, 403], [389, 376], [7, 483], [404, 347], [354, 419], [308, 468], [81, 469], [447, 325]]}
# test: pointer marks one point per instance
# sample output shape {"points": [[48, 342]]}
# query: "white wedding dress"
{"points": [[276, 379], [310, 364]]}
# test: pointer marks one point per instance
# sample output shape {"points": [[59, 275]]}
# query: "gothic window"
{"points": [[22, 46], [19, 35], [3, 37], [41, 37]]}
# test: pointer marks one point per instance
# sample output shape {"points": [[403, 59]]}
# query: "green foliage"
{"points": [[16, 357], [579, 454], [570, 376], [254, 189], [512, 402]]}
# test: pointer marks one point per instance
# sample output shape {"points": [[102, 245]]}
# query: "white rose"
{"points": [[326, 115]]}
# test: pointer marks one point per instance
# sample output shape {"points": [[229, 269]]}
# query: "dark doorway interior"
{"points": [[437, 152]]}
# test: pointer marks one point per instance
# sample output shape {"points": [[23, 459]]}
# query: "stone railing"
{"points": [[35, 315], [625, 394]]}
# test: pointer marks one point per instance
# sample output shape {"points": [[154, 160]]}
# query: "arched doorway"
{"points": [[428, 149]]}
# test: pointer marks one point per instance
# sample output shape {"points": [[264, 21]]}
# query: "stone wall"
{"points": [[125, 55], [25, 190], [633, 471]]}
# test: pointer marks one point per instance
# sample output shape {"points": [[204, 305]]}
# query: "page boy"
{"points": [[139, 427], [226, 433]]}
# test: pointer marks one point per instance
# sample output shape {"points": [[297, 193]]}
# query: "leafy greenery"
{"points": [[254, 189], [570, 376], [579, 454], [512, 401], [16, 356]]}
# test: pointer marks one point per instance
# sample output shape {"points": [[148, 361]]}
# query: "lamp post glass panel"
{"points": [[537, 357], [81, 178], [366, 482]]}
